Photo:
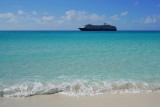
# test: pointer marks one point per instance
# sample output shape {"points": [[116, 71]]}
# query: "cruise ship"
{"points": [[105, 27]]}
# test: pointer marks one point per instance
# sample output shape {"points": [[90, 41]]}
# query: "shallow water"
{"points": [[78, 63]]}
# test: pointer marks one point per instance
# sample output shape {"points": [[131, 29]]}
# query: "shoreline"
{"points": [[106, 100]]}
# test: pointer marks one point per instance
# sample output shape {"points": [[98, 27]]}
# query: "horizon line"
{"points": [[84, 31]]}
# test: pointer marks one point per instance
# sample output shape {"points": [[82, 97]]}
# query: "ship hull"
{"points": [[84, 29]]}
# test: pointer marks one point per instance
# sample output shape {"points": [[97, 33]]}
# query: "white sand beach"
{"points": [[107, 100]]}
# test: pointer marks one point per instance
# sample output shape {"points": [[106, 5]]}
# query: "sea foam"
{"points": [[78, 88]]}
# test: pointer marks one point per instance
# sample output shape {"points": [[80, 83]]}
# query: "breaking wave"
{"points": [[78, 88]]}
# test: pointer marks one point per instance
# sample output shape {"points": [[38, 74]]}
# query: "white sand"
{"points": [[108, 100]]}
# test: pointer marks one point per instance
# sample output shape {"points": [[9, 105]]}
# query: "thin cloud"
{"points": [[124, 13], [136, 3], [33, 12], [8, 17], [43, 19], [20, 12], [47, 18], [151, 19], [81, 15], [71, 16], [115, 17]]}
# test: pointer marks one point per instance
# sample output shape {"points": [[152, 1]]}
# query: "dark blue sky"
{"points": [[71, 14]]}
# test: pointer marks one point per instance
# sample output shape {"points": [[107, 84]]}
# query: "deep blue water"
{"points": [[79, 63]]}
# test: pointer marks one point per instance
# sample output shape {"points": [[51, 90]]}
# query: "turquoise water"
{"points": [[78, 63]]}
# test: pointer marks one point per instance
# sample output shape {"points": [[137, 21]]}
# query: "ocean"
{"points": [[79, 63]]}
